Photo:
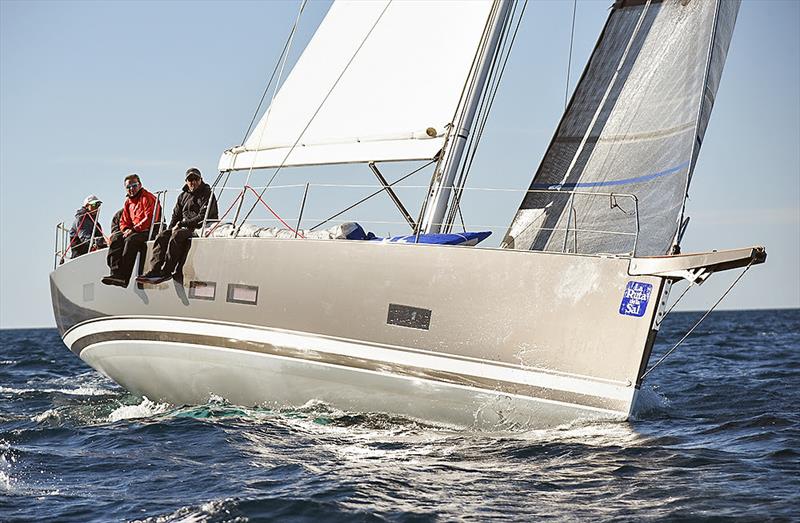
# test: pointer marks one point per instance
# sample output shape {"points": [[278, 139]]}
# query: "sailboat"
{"points": [[555, 324]]}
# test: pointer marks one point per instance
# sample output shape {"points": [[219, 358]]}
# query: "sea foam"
{"points": [[144, 409]]}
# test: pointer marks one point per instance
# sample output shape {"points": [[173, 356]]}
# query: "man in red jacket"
{"points": [[139, 212]]}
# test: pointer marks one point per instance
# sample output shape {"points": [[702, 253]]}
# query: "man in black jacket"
{"points": [[172, 245]]}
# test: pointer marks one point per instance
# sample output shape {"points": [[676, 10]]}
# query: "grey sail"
{"points": [[633, 127]]}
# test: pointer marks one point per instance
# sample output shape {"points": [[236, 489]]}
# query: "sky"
{"points": [[92, 91]]}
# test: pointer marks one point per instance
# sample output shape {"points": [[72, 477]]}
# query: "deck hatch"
{"points": [[406, 316], [203, 290], [238, 293]]}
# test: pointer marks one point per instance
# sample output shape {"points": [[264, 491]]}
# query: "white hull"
{"points": [[508, 337], [177, 361]]}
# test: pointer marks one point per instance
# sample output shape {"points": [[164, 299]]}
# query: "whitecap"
{"points": [[87, 391], [191, 514], [80, 391], [7, 483], [12, 390], [50, 415], [144, 409]]}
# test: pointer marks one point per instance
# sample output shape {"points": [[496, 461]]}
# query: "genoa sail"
{"points": [[633, 127], [381, 80]]}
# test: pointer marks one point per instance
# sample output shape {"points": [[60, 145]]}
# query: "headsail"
{"points": [[634, 126], [379, 81]]}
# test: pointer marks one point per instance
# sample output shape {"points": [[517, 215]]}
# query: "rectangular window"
{"points": [[405, 316], [88, 292], [247, 294], [203, 290]]}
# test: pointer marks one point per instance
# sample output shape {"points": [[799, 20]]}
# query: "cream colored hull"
{"points": [[450, 334]]}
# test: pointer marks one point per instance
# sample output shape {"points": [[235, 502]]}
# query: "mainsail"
{"points": [[634, 126], [380, 80]]}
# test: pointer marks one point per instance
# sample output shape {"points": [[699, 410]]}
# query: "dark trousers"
{"points": [[82, 248], [79, 249], [123, 251], [170, 250]]}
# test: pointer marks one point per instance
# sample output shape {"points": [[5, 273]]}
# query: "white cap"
{"points": [[91, 199]]}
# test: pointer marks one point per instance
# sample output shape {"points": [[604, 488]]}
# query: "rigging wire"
{"points": [[466, 169], [269, 83], [359, 202], [569, 60], [265, 118], [697, 324], [482, 114], [474, 137], [678, 300], [458, 116], [316, 112]]}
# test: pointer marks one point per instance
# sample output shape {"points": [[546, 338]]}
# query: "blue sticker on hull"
{"points": [[634, 301]]}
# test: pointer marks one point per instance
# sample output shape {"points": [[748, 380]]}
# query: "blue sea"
{"points": [[716, 437]]}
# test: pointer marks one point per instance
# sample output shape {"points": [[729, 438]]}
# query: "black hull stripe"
{"points": [[491, 385]]}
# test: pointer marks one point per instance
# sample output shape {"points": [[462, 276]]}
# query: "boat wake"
{"points": [[145, 409], [650, 402]]}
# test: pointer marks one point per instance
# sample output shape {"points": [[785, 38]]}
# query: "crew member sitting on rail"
{"points": [[114, 230], [115, 221], [140, 213], [172, 245], [86, 231]]}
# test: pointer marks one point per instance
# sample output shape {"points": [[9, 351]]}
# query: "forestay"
{"points": [[379, 81], [634, 125]]}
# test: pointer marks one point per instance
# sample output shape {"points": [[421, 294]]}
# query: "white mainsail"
{"points": [[380, 81]]}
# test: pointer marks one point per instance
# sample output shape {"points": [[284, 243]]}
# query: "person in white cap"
{"points": [[86, 231]]}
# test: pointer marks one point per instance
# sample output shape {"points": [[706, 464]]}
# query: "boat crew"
{"points": [[172, 245], [140, 212], [86, 231]]}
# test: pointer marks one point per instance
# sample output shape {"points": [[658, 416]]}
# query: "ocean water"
{"points": [[716, 437]]}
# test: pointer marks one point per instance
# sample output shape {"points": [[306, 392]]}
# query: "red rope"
{"points": [[107, 239], [77, 230], [241, 196], [275, 214], [219, 221], [72, 241]]}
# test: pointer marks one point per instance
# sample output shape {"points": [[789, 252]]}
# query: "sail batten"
{"points": [[633, 126], [379, 81]]}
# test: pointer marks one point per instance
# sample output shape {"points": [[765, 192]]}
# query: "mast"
{"points": [[441, 188]]}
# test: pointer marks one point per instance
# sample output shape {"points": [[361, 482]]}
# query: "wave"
{"points": [[145, 409], [649, 401], [79, 391]]}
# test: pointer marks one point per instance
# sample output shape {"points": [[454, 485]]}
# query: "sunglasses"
{"points": [[132, 185], [94, 205]]}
